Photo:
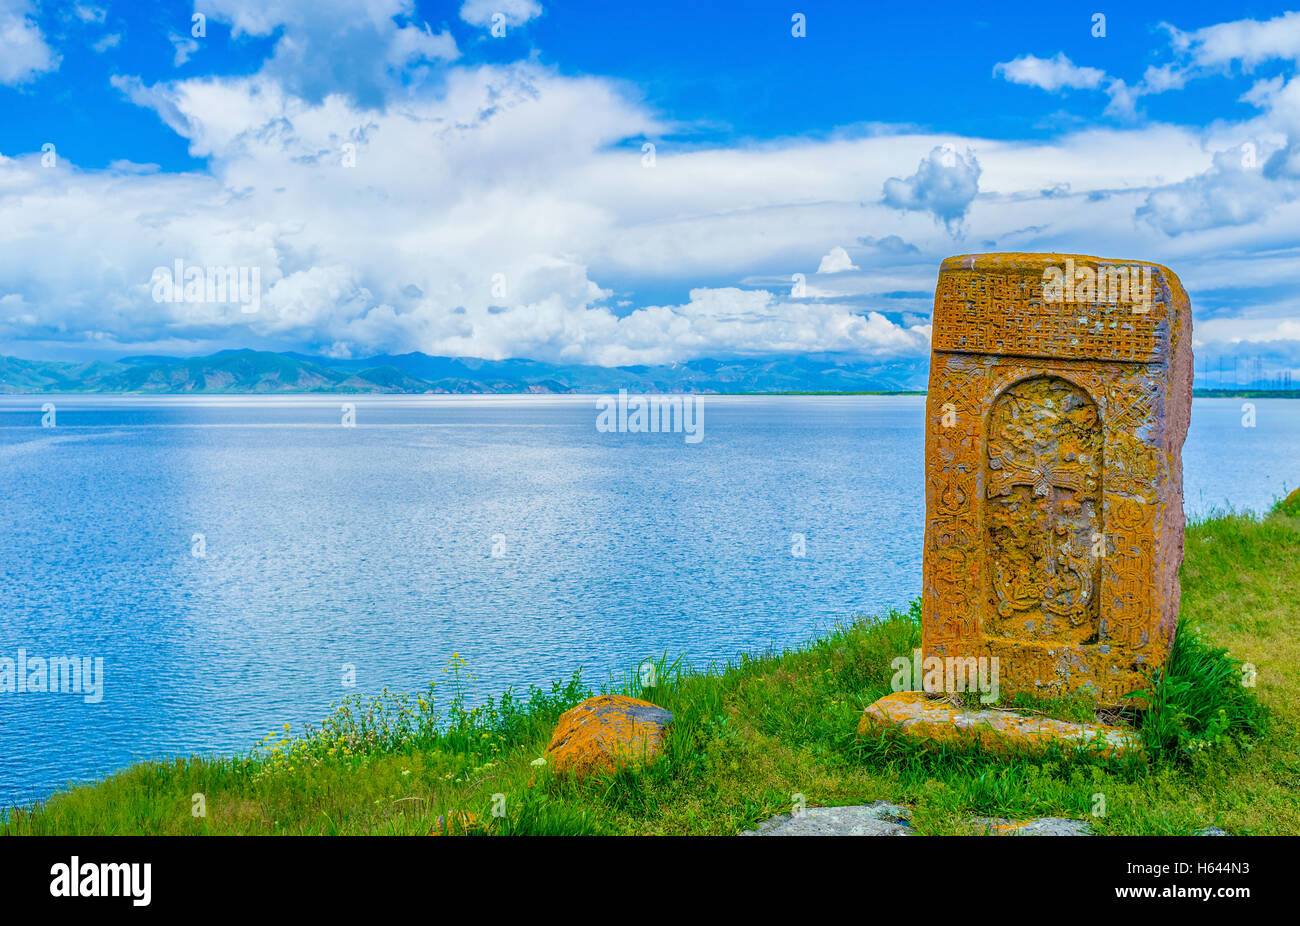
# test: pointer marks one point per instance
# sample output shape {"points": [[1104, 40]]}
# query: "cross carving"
{"points": [[1042, 476]]}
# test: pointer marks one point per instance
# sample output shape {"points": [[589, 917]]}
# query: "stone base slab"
{"points": [[934, 719]]}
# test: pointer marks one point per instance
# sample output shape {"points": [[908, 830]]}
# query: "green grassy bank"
{"points": [[749, 736]]}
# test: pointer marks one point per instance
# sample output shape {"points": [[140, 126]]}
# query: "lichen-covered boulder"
{"points": [[605, 733]]}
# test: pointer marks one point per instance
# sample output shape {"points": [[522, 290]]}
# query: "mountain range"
{"points": [[251, 371]]}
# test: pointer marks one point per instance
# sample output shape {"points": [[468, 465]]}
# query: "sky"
{"points": [[616, 183]]}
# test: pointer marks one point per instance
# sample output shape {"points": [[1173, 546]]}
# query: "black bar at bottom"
{"points": [[645, 876]]}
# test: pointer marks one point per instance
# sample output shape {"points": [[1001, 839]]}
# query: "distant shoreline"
{"points": [[1246, 393], [248, 372]]}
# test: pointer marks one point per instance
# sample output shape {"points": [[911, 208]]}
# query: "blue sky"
{"points": [[498, 201]]}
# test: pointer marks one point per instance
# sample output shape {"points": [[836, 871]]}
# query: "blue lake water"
{"points": [[506, 529]]}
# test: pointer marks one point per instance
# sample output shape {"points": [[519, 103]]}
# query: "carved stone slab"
{"points": [[1060, 393]]}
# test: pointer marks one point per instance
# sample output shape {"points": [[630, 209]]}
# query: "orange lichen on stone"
{"points": [[1060, 394], [930, 719], [1006, 829], [605, 733]]}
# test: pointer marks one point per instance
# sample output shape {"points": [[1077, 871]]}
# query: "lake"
{"points": [[226, 557]]}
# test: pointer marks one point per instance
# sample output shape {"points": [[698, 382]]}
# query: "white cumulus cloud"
{"points": [[1229, 193], [24, 53], [1049, 74], [1249, 42], [359, 47], [946, 182], [836, 261]]}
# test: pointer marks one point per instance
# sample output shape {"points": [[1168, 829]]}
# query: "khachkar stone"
{"points": [[1060, 393]]}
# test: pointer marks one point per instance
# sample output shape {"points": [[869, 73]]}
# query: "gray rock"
{"points": [[1042, 826], [1212, 831], [878, 819], [885, 819]]}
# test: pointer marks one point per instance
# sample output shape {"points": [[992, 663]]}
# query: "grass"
{"points": [[749, 737]]}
